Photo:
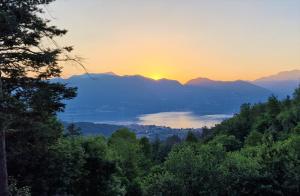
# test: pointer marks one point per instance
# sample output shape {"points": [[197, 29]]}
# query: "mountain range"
{"points": [[107, 96], [281, 84]]}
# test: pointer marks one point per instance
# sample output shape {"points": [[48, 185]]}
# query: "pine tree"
{"points": [[73, 130], [26, 67]]}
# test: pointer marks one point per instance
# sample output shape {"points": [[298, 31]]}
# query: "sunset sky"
{"points": [[182, 39]]}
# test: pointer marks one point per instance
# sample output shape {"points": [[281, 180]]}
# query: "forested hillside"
{"points": [[254, 153]]}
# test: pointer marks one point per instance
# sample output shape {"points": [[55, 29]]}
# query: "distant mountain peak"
{"points": [[282, 76], [282, 84], [93, 75], [207, 82], [110, 73], [201, 81]]}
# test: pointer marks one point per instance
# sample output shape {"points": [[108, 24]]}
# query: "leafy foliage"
{"points": [[254, 153]]}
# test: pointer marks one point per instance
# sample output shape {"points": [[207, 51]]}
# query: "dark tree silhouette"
{"points": [[191, 137], [29, 57], [73, 130]]}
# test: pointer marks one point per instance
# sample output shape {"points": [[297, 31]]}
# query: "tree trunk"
{"points": [[3, 166]]}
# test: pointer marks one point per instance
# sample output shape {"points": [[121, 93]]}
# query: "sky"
{"points": [[181, 39]]}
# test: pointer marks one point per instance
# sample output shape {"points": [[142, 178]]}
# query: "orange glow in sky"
{"points": [[175, 39]]}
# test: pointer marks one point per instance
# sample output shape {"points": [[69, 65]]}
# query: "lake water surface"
{"points": [[181, 119], [174, 120]]}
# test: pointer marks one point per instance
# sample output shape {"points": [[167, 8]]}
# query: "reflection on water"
{"points": [[181, 119]]}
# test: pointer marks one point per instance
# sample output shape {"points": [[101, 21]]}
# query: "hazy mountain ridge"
{"points": [[282, 76], [108, 96], [281, 84], [208, 82]]}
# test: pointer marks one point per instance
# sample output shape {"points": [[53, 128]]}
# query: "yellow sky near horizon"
{"points": [[174, 39]]}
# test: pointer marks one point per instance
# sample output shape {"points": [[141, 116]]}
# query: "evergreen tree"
{"points": [[73, 130], [145, 147], [25, 69], [191, 137]]}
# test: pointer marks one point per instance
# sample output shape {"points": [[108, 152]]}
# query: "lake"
{"points": [[181, 119], [175, 120]]}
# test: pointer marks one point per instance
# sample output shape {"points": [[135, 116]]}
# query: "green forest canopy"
{"points": [[255, 152]]}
